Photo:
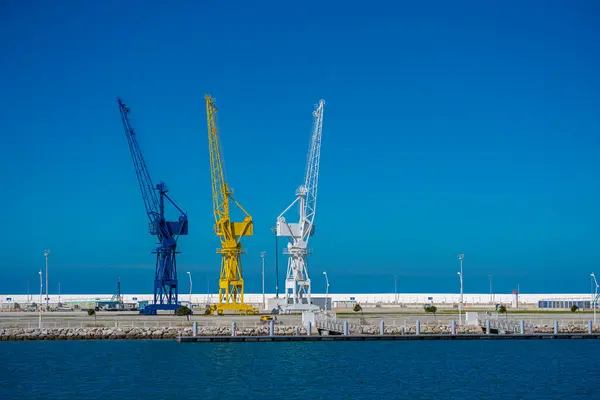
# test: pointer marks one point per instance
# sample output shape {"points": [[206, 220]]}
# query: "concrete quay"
{"points": [[354, 338]]}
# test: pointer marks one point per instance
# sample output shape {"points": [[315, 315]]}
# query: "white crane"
{"points": [[297, 282]]}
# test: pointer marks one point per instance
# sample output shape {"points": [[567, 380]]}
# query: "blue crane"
{"points": [[167, 232]]}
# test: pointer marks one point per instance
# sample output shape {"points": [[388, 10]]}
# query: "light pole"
{"points": [[326, 290], [59, 292], [396, 289], [40, 305], [190, 276], [595, 299], [208, 295], [460, 275], [262, 256], [491, 295], [46, 254], [274, 229]]}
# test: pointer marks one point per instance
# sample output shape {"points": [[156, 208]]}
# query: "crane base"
{"points": [[233, 308], [152, 309]]}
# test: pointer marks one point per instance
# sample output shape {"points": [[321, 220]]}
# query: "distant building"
{"points": [[564, 303]]}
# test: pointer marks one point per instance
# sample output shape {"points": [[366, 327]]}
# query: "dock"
{"points": [[359, 338]]}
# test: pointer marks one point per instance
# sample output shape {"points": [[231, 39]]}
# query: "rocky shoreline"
{"points": [[137, 333], [102, 333], [411, 330]]}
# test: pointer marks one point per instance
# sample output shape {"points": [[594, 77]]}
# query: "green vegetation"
{"points": [[502, 309], [183, 311], [358, 308], [431, 309], [574, 308], [92, 312]]}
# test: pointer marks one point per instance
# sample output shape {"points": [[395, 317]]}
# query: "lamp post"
{"points": [[274, 230], [595, 299], [59, 292], [190, 276], [262, 256], [46, 254], [460, 275], [40, 305], [396, 289], [326, 290], [208, 295], [491, 295]]}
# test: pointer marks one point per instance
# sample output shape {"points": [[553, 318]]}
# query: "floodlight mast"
{"points": [[297, 282], [46, 254], [595, 299], [461, 257]]}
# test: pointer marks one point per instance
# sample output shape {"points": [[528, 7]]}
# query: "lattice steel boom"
{"points": [[297, 283], [231, 281]]}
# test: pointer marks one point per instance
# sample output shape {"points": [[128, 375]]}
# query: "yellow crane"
{"points": [[231, 281]]}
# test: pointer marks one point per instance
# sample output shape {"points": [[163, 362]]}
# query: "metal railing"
{"points": [[328, 321]]}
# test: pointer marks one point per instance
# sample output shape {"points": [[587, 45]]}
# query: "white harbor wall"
{"points": [[366, 298]]}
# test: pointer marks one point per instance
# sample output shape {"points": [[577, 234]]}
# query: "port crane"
{"points": [[297, 282], [117, 296], [231, 280], [167, 232]]}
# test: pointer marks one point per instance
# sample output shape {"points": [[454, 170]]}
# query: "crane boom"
{"points": [[297, 283], [219, 187], [311, 181], [141, 170], [231, 281]]}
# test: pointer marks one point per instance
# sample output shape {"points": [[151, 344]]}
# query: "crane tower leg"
{"points": [[165, 281], [297, 282], [231, 283]]}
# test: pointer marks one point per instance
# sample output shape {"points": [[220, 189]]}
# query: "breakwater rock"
{"points": [[130, 333], [137, 333], [564, 329], [411, 330], [90, 333], [156, 333]]}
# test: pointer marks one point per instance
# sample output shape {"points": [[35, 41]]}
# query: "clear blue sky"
{"points": [[449, 127]]}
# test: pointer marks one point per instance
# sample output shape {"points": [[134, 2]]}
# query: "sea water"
{"points": [[512, 369]]}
